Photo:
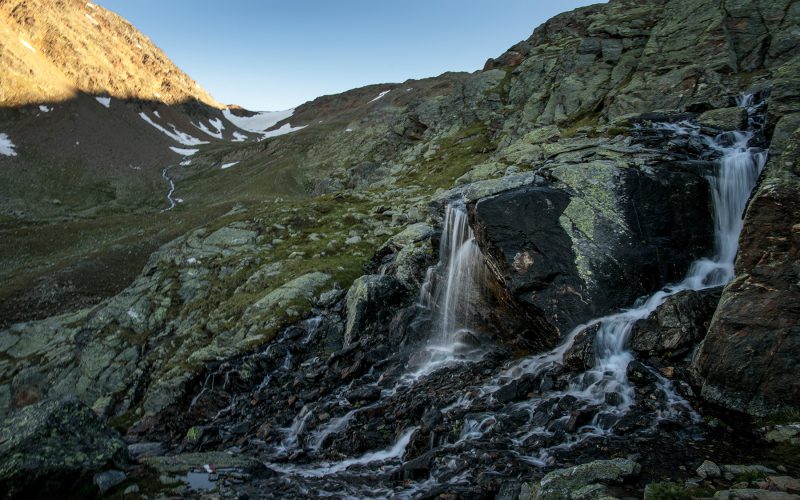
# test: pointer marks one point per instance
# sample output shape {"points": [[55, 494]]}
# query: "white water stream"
{"points": [[171, 191], [453, 283], [735, 176]]}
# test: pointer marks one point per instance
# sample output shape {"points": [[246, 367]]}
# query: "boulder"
{"points": [[371, 302], [734, 118], [708, 469], [582, 481], [108, 479], [302, 289], [55, 446], [789, 433], [414, 233], [783, 483], [595, 238], [754, 494], [678, 324], [363, 394], [580, 355]]}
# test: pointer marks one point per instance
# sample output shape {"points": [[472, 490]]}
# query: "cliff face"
{"points": [[51, 50], [582, 157]]}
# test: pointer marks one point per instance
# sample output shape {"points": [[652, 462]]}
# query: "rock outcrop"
{"points": [[599, 234], [582, 481], [53, 447]]}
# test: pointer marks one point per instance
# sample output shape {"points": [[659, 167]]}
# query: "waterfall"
{"points": [[535, 427], [735, 176], [453, 284]]}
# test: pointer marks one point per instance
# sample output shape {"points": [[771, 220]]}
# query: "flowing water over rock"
{"points": [[171, 191], [454, 414], [449, 289]]}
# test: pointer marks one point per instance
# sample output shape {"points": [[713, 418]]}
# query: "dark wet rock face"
{"points": [[595, 238], [677, 326], [55, 446]]}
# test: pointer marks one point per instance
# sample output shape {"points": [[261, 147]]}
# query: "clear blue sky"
{"points": [[276, 54]]}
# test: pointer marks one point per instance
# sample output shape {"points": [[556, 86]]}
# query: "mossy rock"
{"points": [[55, 443]]}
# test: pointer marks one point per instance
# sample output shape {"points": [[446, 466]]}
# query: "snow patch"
{"points": [[286, 128], [89, 17], [259, 122], [90, 5], [176, 135], [27, 45], [105, 101], [381, 95], [229, 165], [184, 151], [158, 115], [239, 137], [45, 109], [216, 123], [348, 130], [133, 314], [6, 146]]}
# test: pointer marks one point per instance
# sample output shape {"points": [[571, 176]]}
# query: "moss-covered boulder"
{"points": [[734, 118], [582, 481], [302, 289], [371, 302], [55, 447]]}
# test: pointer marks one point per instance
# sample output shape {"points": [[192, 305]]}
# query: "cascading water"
{"points": [[535, 428], [735, 176], [453, 283], [448, 292]]}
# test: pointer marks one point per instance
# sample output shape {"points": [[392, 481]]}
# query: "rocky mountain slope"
{"points": [[51, 51], [416, 293], [91, 114]]}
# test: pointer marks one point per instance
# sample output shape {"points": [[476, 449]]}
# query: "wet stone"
{"points": [[708, 469], [108, 479], [783, 483], [364, 394]]}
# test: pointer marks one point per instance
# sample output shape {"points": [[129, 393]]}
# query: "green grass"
{"points": [[673, 491], [454, 157]]}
